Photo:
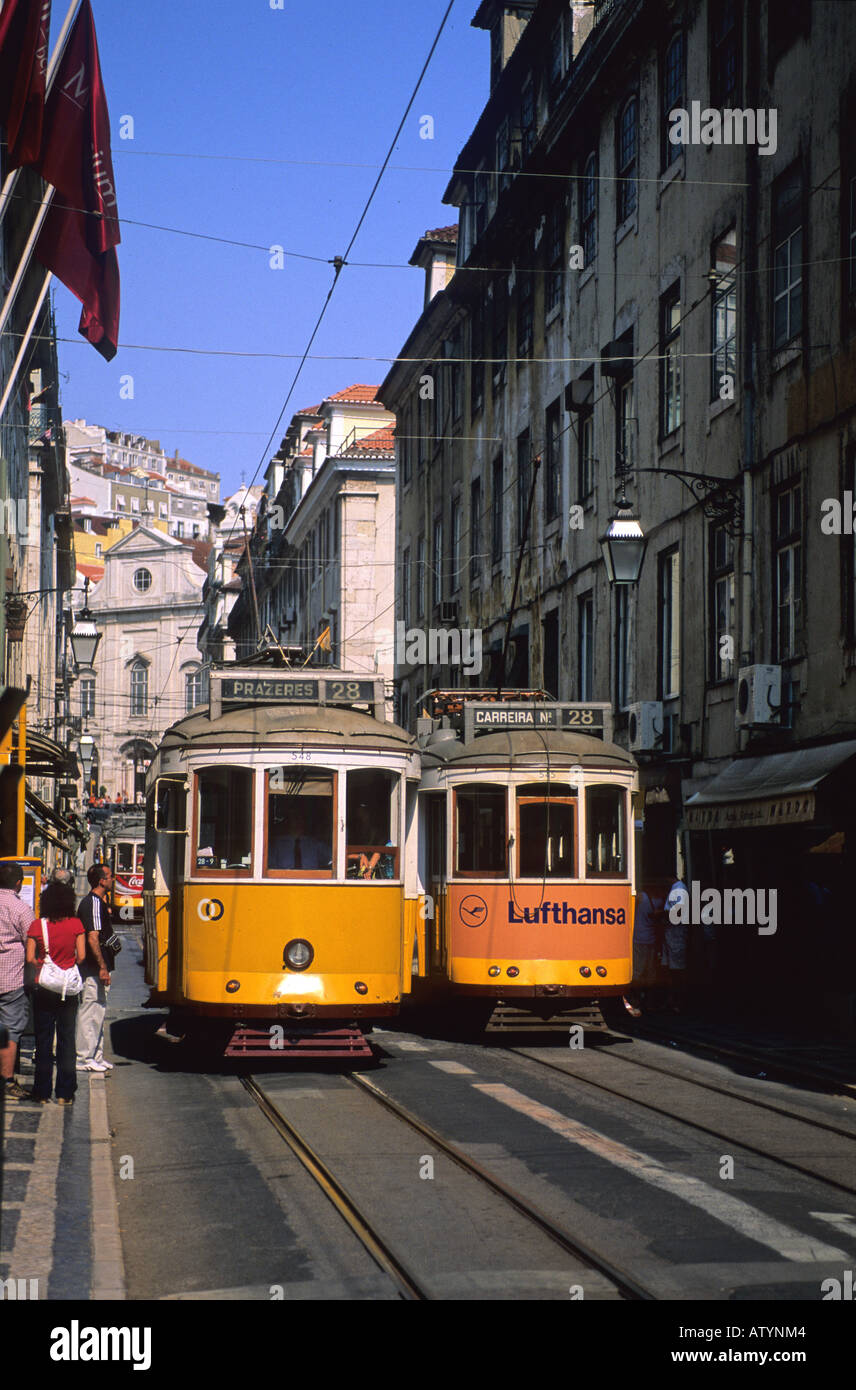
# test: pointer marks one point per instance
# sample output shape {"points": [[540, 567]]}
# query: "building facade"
{"points": [[323, 550], [674, 319], [148, 671]]}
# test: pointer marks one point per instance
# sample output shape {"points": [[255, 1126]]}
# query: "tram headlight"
{"points": [[513, 971], [494, 970], [298, 955], [601, 971], [585, 971]]}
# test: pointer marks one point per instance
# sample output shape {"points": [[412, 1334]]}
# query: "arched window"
{"points": [[193, 690], [139, 688], [672, 84], [87, 696], [588, 219], [628, 140]]}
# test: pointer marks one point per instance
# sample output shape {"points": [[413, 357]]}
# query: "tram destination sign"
{"points": [[254, 689], [489, 717]]}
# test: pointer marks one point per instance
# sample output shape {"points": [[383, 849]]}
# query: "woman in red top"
{"points": [[51, 1013]]}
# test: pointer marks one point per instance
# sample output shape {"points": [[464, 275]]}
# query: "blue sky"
{"points": [[312, 87]]}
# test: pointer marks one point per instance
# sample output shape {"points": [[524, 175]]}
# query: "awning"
{"points": [[47, 758], [45, 815], [775, 789]]}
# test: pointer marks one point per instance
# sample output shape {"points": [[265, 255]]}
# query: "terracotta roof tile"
{"points": [[356, 395], [95, 572], [310, 410], [380, 441], [449, 234]]}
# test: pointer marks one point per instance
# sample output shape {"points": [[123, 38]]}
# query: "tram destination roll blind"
{"points": [[594, 719], [257, 690]]}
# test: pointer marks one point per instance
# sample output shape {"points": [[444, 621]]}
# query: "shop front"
{"points": [[775, 837]]}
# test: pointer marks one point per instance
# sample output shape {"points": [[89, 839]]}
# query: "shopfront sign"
{"points": [[796, 809]]}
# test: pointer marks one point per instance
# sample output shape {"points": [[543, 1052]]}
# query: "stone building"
{"points": [[323, 551], [148, 670], [674, 319]]}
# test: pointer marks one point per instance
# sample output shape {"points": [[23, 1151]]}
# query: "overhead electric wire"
{"points": [[339, 263]]}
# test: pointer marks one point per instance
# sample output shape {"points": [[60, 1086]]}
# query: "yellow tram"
{"points": [[526, 852], [280, 880]]}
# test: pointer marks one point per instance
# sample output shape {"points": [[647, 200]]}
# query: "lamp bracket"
{"points": [[721, 498]]}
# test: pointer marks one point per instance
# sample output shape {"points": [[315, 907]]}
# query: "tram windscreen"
{"points": [[300, 822], [224, 819], [546, 831], [371, 823], [606, 855], [481, 835]]}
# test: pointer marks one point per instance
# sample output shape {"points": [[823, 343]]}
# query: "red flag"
{"points": [[24, 30], [63, 247], [82, 229]]}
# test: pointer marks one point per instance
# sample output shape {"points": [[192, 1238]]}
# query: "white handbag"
{"points": [[52, 978]]}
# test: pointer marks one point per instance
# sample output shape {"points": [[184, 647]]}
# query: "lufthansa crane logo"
{"points": [[210, 909], [472, 910]]}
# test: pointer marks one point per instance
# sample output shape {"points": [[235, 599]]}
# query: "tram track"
{"points": [[409, 1284], [717, 1133]]}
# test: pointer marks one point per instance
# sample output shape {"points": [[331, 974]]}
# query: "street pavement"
{"points": [[165, 1181]]}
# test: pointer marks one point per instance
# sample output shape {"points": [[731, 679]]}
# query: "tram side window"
{"points": [[372, 817], [481, 833], [606, 814], [224, 819], [124, 857], [300, 822], [546, 831], [170, 805]]}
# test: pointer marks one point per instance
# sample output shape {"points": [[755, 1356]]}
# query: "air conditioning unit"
{"points": [[759, 695], [645, 726], [449, 614]]}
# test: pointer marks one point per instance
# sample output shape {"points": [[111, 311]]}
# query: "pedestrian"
{"points": [[675, 939], [648, 925], [62, 876], [98, 924], [15, 919], [53, 1016]]}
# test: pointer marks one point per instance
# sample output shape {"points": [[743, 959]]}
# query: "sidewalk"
{"points": [[790, 1049], [59, 1225]]}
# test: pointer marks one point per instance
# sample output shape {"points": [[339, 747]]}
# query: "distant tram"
{"points": [[281, 863], [122, 848], [526, 853]]}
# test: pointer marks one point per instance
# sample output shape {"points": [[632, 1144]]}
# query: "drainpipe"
{"points": [[750, 338]]}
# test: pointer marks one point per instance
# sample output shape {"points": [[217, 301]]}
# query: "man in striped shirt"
{"points": [[97, 923], [15, 918]]}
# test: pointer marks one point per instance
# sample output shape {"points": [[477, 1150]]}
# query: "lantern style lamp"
{"points": [[623, 545], [84, 636]]}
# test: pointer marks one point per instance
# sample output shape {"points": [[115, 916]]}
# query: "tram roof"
{"points": [[526, 746], [276, 724]]}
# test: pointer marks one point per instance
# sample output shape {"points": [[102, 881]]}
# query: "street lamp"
{"points": [[84, 636], [623, 545], [86, 752]]}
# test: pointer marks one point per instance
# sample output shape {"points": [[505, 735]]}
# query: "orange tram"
{"points": [[526, 854]]}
